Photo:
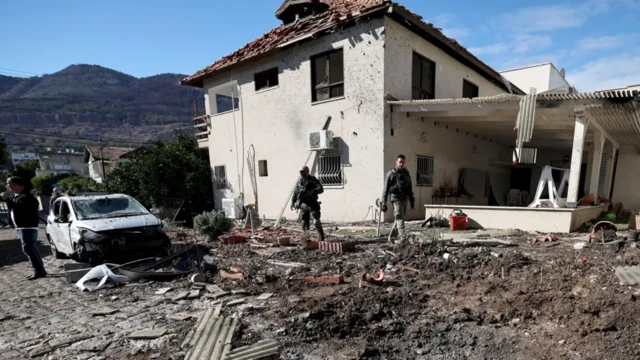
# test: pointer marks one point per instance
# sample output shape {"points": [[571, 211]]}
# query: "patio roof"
{"points": [[615, 113]]}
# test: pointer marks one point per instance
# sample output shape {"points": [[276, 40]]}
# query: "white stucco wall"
{"points": [[543, 77], [625, 188], [451, 150], [277, 122]]}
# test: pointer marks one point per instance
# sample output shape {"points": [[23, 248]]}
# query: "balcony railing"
{"points": [[202, 126]]}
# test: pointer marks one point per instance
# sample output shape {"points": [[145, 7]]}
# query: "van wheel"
{"points": [[54, 250]]}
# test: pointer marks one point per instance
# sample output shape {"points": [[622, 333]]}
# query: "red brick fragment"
{"points": [[226, 275], [233, 239], [402, 267]]}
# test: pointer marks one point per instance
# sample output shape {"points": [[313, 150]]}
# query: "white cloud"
{"points": [[456, 33], [606, 73], [489, 49], [555, 17], [600, 43], [530, 43]]}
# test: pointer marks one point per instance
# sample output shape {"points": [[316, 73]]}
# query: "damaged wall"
{"points": [[451, 150], [277, 122]]}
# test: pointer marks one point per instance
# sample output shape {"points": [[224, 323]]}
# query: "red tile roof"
{"points": [[339, 11]]}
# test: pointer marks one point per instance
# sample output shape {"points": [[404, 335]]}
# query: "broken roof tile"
{"points": [[338, 11]]}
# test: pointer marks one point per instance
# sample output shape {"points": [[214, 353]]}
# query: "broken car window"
{"points": [[105, 208]]}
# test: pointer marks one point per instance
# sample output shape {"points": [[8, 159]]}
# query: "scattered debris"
{"points": [[581, 260], [232, 239], [198, 278], [213, 335], [181, 296], [322, 279], [57, 343], [163, 290], [226, 275], [579, 245], [374, 280], [496, 255], [291, 264], [102, 272], [337, 247], [104, 312], [263, 349], [235, 302], [264, 296], [179, 316], [628, 275], [604, 231], [545, 238], [148, 334], [214, 289], [402, 267], [96, 345], [284, 241]]}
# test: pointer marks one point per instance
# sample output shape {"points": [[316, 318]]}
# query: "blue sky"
{"points": [[597, 42]]}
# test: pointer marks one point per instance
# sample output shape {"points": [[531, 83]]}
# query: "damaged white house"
{"points": [[381, 82]]}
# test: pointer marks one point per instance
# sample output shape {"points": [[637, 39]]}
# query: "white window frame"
{"points": [[329, 170], [424, 170]]}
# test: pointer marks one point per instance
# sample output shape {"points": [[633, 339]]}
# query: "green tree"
{"points": [[76, 184], [26, 169], [4, 156], [176, 169], [43, 184]]}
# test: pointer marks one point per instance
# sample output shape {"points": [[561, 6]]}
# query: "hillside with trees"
{"points": [[90, 101]]}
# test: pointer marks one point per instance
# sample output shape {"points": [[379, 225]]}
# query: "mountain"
{"points": [[94, 102]]}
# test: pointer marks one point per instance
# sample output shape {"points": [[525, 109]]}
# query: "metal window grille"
{"points": [[220, 176], [329, 170], [602, 176], [425, 171]]}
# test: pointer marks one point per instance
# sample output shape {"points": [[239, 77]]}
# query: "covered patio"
{"points": [[589, 129]]}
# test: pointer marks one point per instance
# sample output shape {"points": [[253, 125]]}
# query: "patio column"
{"points": [[610, 169], [598, 145], [579, 132]]}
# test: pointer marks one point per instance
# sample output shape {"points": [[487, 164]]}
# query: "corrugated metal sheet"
{"points": [[212, 337], [508, 98], [525, 120], [602, 176], [629, 275], [260, 350]]}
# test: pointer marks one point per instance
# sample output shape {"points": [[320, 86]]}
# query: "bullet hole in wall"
{"points": [[355, 133]]}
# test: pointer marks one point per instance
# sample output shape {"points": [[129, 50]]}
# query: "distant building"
{"points": [[65, 161], [627, 88], [17, 158], [544, 77], [101, 161]]}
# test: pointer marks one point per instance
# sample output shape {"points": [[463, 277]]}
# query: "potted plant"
{"points": [[447, 187]]}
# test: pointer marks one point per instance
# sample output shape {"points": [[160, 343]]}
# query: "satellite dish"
{"points": [[562, 72]]}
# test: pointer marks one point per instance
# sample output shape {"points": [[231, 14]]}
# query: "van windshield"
{"points": [[106, 208]]}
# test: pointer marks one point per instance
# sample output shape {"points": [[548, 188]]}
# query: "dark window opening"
{"points": [[262, 168], [469, 89], [327, 76], [226, 103], [266, 79], [423, 78]]}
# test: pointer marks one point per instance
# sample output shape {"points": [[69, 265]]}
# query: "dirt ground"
{"points": [[541, 301]]}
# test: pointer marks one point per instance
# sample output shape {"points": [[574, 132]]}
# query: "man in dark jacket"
{"points": [[398, 184], [305, 199], [24, 214]]}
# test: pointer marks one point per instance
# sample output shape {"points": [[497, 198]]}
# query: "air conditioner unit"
{"points": [[321, 140], [232, 208]]}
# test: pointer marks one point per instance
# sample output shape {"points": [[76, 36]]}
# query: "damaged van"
{"points": [[104, 227]]}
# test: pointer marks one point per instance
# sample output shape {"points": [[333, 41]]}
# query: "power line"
{"points": [[20, 71], [69, 137]]}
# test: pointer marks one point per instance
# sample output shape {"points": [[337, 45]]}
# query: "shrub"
{"points": [[211, 224]]}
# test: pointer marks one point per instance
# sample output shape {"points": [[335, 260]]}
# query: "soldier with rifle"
{"points": [[305, 199]]}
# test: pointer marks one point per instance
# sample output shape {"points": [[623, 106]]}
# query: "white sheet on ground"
{"points": [[100, 272]]}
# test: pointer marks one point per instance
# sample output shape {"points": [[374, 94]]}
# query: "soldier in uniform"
{"points": [[305, 199], [398, 184]]}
